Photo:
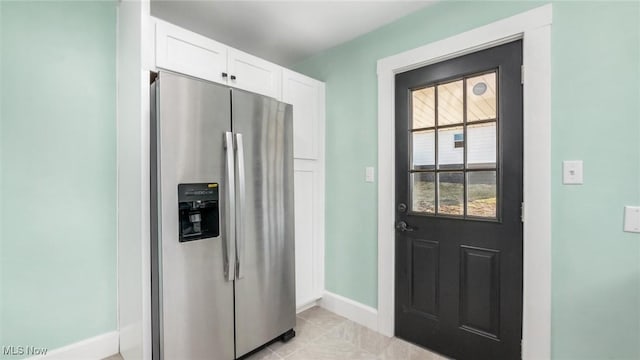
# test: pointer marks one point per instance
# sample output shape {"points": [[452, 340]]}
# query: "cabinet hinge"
{"points": [[521, 74], [522, 211]]}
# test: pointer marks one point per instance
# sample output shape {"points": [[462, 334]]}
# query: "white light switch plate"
{"points": [[369, 174], [572, 172], [632, 219]]}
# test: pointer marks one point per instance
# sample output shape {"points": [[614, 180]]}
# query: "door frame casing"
{"points": [[534, 28]]}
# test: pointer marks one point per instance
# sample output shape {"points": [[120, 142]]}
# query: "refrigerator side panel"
{"points": [[265, 280], [196, 299]]}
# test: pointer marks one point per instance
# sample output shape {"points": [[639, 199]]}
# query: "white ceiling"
{"points": [[284, 32]]}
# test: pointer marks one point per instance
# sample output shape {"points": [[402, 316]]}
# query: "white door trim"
{"points": [[534, 27]]}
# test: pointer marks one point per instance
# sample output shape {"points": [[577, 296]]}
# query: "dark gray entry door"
{"points": [[459, 195]]}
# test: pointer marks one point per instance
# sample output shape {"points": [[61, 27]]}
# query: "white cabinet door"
{"points": [[309, 233], [304, 235], [253, 74], [188, 53], [307, 97]]}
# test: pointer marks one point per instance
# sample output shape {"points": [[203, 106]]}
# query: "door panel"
{"points": [[265, 292], [459, 191], [480, 290], [304, 193], [424, 276], [196, 299], [303, 93], [189, 53], [251, 73]]}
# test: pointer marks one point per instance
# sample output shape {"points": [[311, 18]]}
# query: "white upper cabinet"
{"points": [[307, 97], [253, 74], [188, 53]]}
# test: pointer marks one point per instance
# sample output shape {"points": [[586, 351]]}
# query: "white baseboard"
{"points": [[95, 348], [352, 310]]}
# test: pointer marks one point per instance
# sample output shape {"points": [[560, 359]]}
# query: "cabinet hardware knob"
{"points": [[224, 74], [233, 77]]}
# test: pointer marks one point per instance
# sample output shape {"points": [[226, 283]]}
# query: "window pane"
{"points": [[450, 155], [481, 97], [423, 150], [481, 193], [451, 193], [424, 108], [423, 192], [481, 152], [450, 103]]}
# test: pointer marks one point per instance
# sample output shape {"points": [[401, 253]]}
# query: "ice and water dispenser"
{"points": [[198, 209]]}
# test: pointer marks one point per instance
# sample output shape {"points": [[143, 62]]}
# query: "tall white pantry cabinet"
{"points": [[183, 51]]}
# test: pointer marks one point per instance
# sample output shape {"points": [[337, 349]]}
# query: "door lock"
{"points": [[402, 207], [402, 226]]}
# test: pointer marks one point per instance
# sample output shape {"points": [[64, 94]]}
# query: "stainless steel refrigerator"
{"points": [[222, 233]]}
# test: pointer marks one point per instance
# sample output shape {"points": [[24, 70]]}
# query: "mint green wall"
{"points": [[58, 187], [595, 117]]}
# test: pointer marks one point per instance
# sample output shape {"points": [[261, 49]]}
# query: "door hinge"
{"points": [[522, 211], [521, 74]]}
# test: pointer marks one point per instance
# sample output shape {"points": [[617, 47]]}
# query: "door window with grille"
{"points": [[453, 148]]}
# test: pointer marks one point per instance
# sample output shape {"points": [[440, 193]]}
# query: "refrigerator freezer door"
{"points": [[196, 315], [265, 287]]}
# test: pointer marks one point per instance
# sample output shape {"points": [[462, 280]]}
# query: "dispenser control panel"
{"points": [[198, 211]]}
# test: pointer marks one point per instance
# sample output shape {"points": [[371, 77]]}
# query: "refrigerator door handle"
{"points": [[240, 207], [230, 211]]}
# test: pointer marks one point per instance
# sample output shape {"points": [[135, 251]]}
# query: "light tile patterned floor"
{"points": [[323, 335]]}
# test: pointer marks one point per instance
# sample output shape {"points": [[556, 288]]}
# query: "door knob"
{"points": [[402, 226]]}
